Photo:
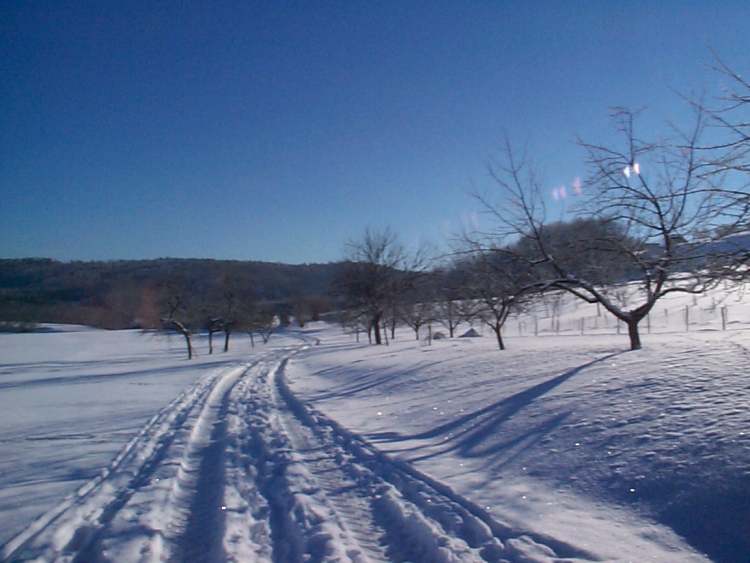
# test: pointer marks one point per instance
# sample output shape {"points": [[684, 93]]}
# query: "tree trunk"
{"points": [[376, 326], [210, 341], [186, 334], [393, 329], [416, 332], [252, 340], [451, 328], [635, 337], [498, 330], [227, 333], [183, 330]]}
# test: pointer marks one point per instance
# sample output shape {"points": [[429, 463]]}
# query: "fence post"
{"points": [[648, 322], [687, 318], [724, 314]]}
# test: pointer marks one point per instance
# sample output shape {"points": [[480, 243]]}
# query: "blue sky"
{"points": [[278, 130]]}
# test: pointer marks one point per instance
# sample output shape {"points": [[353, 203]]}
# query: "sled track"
{"points": [[420, 519], [236, 468], [94, 502], [156, 466]]}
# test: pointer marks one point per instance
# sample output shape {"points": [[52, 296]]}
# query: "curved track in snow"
{"points": [[236, 468]]}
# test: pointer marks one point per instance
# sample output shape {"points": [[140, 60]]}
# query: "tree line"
{"points": [[652, 217], [664, 215], [211, 295]]}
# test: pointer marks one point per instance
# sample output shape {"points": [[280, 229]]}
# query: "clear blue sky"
{"points": [[277, 130]]}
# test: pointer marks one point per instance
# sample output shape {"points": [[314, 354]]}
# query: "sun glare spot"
{"points": [[577, 186]]}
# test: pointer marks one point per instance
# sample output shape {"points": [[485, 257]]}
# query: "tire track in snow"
{"points": [[329, 504], [236, 468], [247, 535], [351, 505], [163, 496], [160, 497], [315, 513], [202, 476], [182, 514], [68, 527], [423, 519]]}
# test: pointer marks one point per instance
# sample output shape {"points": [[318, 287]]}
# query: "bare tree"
{"points": [[730, 117], [264, 323], [352, 322], [177, 303], [229, 308], [235, 303], [498, 285], [416, 313], [728, 152], [212, 326], [247, 313], [301, 310], [448, 313], [648, 202], [378, 267], [392, 315], [452, 307]]}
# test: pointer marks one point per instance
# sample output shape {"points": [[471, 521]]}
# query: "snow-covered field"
{"points": [[316, 447], [605, 451], [73, 399]]}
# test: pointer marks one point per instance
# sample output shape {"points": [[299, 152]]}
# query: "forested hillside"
{"points": [[109, 294]]}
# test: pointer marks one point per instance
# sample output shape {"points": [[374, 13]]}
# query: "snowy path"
{"points": [[237, 469], [157, 492], [421, 519]]}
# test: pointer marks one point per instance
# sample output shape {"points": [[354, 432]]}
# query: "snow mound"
{"points": [[471, 333]]}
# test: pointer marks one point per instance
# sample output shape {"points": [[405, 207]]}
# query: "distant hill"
{"points": [[107, 293]]}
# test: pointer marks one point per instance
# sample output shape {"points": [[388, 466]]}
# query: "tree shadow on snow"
{"points": [[468, 433], [363, 382]]}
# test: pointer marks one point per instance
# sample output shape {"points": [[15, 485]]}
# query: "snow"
{"points": [[624, 455], [72, 397], [565, 447]]}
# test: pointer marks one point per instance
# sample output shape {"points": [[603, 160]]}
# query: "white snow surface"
{"points": [[602, 452], [114, 447], [71, 398]]}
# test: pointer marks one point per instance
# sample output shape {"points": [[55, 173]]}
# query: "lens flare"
{"points": [[577, 186]]}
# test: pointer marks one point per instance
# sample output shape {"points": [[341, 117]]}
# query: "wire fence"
{"points": [[698, 314]]}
